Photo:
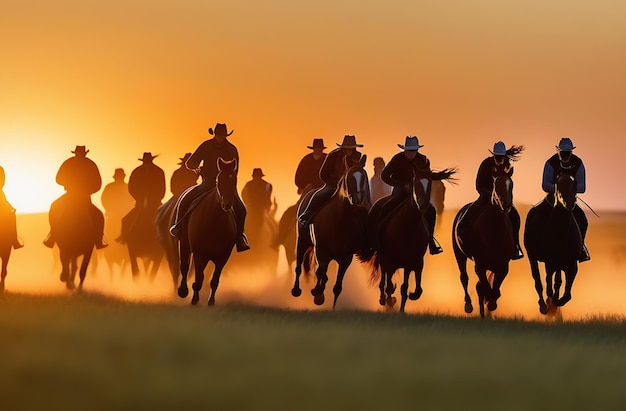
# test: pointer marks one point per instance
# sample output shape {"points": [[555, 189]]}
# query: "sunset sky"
{"points": [[126, 77]]}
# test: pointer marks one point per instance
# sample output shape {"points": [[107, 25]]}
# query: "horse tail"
{"points": [[307, 261], [366, 254], [445, 174], [374, 265]]}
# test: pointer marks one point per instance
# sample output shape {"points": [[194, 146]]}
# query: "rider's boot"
{"points": [[518, 252], [584, 255], [101, 244], [49, 241], [434, 247], [17, 243], [242, 243]]}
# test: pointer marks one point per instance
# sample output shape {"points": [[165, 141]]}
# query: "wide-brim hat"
{"points": [[349, 142], [80, 150], [317, 143], [147, 157], [499, 149], [566, 144], [411, 143], [184, 159], [119, 172], [220, 130], [257, 172]]}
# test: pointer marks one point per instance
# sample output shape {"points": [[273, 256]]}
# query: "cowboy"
{"points": [[333, 168], [182, 177], [115, 197], [257, 193], [564, 161], [207, 154], [80, 177], [498, 163], [378, 187], [399, 173], [308, 171], [7, 208]]}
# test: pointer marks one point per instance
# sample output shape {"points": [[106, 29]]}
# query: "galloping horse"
{"points": [[336, 232], [489, 241], [400, 240], [76, 235], [552, 235], [211, 232], [142, 241]]}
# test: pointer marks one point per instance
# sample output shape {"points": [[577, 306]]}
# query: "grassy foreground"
{"points": [[88, 352]]}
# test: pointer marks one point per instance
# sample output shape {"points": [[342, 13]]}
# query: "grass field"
{"points": [[90, 352]]}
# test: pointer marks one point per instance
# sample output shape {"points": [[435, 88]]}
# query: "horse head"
{"points": [[421, 192], [565, 192], [502, 193], [226, 182], [355, 183]]}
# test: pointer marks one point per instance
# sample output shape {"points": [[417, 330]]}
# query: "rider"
{"points": [[257, 193], [7, 208], [115, 197], [80, 177], [399, 174], [498, 163], [564, 161], [207, 153], [182, 178], [308, 171], [378, 187], [333, 168]]}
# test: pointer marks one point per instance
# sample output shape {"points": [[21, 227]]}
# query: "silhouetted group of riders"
{"points": [[318, 170]]}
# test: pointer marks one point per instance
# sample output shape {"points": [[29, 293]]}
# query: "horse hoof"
{"points": [[195, 300], [296, 292], [415, 296], [468, 308], [562, 301], [183, 292], [319, 299], [211, 302], [543, 308], [382, 301], [492, 305]]}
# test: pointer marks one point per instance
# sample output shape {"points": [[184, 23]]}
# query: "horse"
{"points": [[7, 237], [551, 235], [399, 240], [336, 232], [163, 221], [211, 232], [141, 240], [489, 241], [75, 233]]}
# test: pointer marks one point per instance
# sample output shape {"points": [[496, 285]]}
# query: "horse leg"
{"points": [[404, 288], [497, 280], [73, 267], [381, 286], [185, 258], [3, 275], [534, 269], [418, 281], [482, 287], [215, 281], [302, 246], [83, 268], [134, 267], [199, 264], [570, 275], [341, 272], [391, 288], [156, 263], [461, 261], [322, 278]]}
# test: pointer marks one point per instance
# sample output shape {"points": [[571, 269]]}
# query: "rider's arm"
{"points": [[580, 179], [548, 178]]}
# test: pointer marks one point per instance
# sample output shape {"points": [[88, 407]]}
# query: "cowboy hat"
{"points": [[257, 172], [566, 144], [499, 149], [80, 150], [184, 159], [349, 142], [317, 143], [147, 157], [410, 143], [220, 130]]}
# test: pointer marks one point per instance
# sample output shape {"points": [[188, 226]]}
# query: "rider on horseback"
{"points": [[308, 171], [257, 193], [564, 162], [207, 153], [497, 164], [399, 173], [80, 177], [333, 168], [182, 178], [6, 207]]}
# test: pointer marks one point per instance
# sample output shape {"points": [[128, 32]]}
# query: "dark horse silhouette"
{"points": [[336, 232], [211, 232], [488, 240], [73, 228], [552, 235], [141, 240], [399, 240]]}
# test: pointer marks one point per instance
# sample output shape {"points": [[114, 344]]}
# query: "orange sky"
{"points": [[124, 77]]}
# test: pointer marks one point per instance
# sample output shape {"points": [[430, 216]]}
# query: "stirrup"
{"points": [[584, 255]]}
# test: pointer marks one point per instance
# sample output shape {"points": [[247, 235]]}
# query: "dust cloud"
{"points": [[598, 291]]}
